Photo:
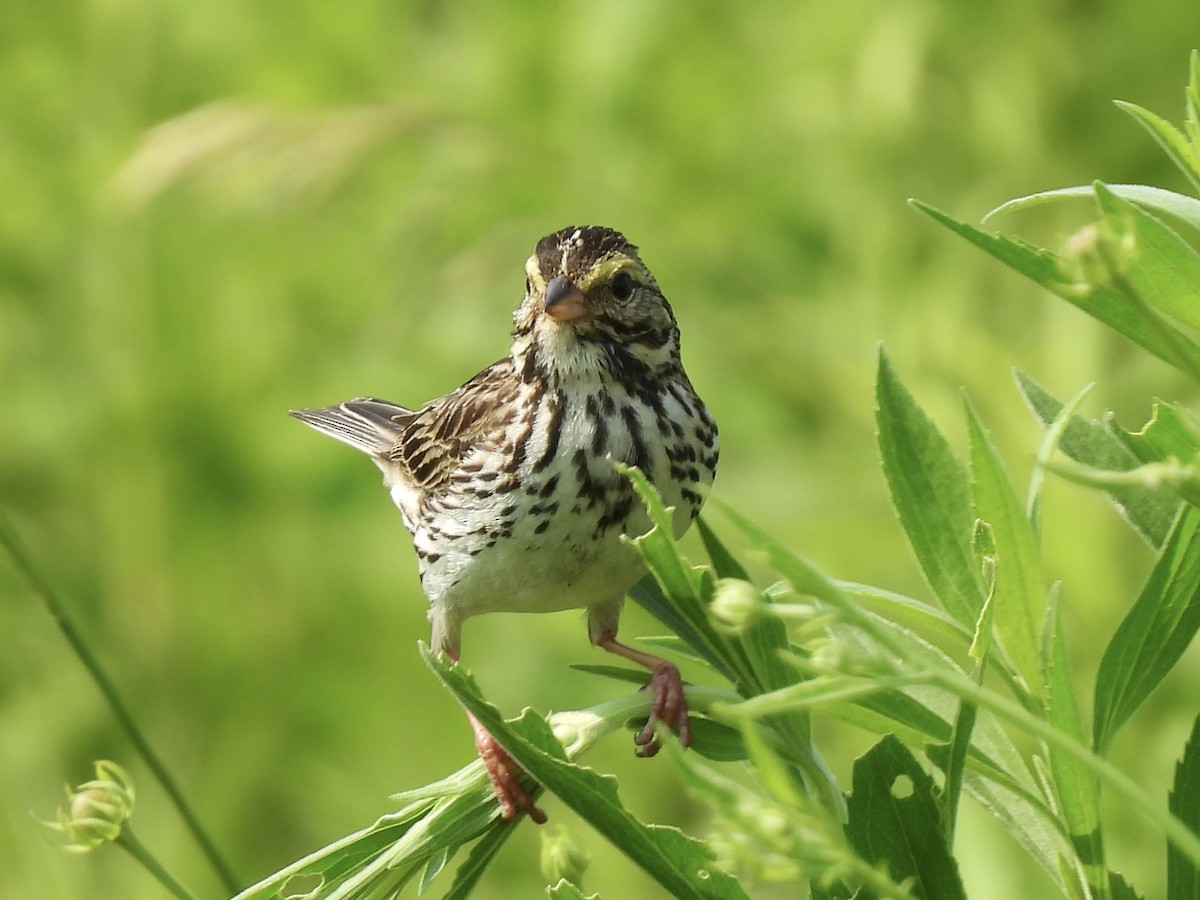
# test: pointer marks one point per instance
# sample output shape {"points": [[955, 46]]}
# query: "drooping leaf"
{"points": [[1115, 308], [931, 494], [1155, 632], [1183, 876], [894, 822], [1178, 206]]}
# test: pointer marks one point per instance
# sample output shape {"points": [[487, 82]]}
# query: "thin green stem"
{"points": [[45, 591], [1176, 832], [150, 862]]}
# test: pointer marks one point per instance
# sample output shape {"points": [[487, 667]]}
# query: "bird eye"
{"points": [[622, 286]]}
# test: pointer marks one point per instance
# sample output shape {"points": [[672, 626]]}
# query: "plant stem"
{"points": [[44, 590], [1176, 832], [148, 860]]}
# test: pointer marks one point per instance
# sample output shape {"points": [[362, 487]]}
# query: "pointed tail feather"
{"points": [[365, 423]]}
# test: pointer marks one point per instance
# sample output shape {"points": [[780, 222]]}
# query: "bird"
{"points": [[509, 484]]}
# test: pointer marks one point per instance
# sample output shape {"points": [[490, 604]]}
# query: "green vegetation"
{"points": [[216, 212]]}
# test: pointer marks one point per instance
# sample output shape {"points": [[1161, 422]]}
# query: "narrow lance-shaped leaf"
{"points": [[1166, 269], [1125, 314], [679, 863], [1171, 139], [750, 660], [1178, 206], [1077, 789], [1019, 591], [931, 493], [1155, 632], [1183, 877]]}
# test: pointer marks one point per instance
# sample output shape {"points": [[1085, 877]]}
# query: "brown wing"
{"points": [[437, 438]]}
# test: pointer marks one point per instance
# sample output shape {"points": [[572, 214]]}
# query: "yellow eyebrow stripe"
{"points": [[606, 269]]}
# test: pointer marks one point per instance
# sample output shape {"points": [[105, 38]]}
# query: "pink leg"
{"points": [[503, 771], [670, 703]]}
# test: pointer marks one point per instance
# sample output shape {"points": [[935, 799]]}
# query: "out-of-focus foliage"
{"points": [[216, 211]]}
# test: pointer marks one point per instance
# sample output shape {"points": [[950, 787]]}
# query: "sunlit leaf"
{"points": [[931, 493], [1125, 314], [680, 864], [1178, 206], [1166, 268], [1020, 586], [1181, 151]]}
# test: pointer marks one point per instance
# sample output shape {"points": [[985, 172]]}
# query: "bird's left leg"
{"points": [[669, 704]]}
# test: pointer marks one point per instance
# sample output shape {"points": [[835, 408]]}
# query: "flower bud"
{"points": [[563, 857], [736, 604], [1098, 255], [96, 810]]}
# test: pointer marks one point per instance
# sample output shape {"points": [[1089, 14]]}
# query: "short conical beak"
{"points": [[564, 301]]}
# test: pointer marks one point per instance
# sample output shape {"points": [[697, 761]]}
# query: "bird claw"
{"points": [[669, 707], [504, 773]]}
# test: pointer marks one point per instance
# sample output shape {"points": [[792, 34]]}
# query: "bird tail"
{"points": [[365, 423]]}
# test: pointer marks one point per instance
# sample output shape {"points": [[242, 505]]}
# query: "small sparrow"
{"points": [[507, 484]]}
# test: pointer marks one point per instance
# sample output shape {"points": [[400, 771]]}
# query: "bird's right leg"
{"points": [[503, 771]]}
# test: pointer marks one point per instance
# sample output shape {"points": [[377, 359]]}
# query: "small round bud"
{"points": [[96, 810], [737, 604], [563, 856], [1098, 255]]}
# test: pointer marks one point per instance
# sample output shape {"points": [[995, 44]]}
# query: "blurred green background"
{"points": [[212, 212]]}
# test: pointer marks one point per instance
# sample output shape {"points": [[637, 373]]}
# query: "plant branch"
{"points": [[41, 586]]}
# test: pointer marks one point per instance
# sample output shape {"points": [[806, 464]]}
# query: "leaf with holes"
{"points": [[894, 822]]}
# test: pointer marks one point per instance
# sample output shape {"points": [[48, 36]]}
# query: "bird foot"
{"points": [[504, 774], [669, 707]]}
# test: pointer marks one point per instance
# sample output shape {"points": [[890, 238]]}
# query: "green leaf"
{"points": [[564, 890], [1150, 510], [477, 861], [616, 673], [1155, 632], [1077, 789], [1179, 206], [1122, 889], [1020, 587], [931, 623], [724, 563], [715, 740], [931, 493], [1181, 151], [1166, 269], [1183, 877], [1115, 308], [678, 863], [678, 595], [894, 822]]}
